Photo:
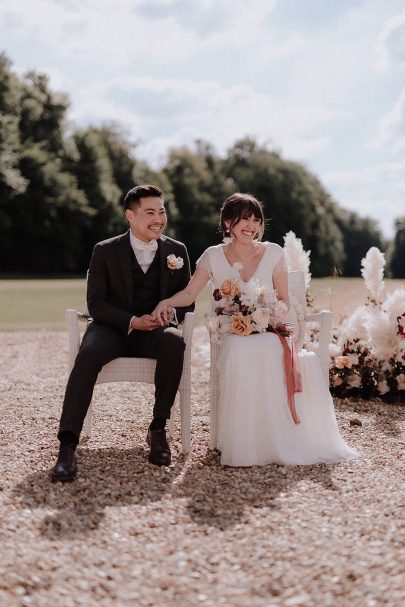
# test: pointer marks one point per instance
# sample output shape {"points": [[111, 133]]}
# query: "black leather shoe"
{"points": [[159, 454], [65, 468]]}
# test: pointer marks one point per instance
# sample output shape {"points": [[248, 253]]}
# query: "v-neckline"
{"points": [[254, 271]]}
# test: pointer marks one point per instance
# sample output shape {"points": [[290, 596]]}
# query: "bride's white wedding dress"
{"points": [[255, 426]]}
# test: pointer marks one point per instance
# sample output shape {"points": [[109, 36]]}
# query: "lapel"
{"points": [[126, 256], [164, 251]]}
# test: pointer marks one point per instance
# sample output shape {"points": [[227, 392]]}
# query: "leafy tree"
{"points": [[398, 254], [359, 234], [48, 217], [42, 114], [40, 202], [94, 172], [12, 181]]}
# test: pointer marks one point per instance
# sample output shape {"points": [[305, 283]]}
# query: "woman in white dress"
{"points": [[257, 424]]}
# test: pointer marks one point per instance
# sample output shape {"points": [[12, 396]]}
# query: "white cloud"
{"points": [[376, 191], [391, 128], [390, 46], [159, 110]]}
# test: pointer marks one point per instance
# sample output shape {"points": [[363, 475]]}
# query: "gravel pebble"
{"points": [[126, 533]]}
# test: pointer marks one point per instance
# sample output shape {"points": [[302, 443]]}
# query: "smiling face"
{"points": [[242, 217], [246, 229], [147, 219]]}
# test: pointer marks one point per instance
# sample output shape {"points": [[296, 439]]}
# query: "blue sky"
{"points": [[322, 81]]}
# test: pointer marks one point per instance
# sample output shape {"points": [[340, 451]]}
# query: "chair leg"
{"points": [[214, 397], [213, 421], [185, 402], [86, 432]]}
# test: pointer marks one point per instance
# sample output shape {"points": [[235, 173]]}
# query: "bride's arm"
{"points": [[280, 280], [183, 298]]}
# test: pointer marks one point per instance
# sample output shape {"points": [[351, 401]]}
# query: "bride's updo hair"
{"points": [[240, 206]]}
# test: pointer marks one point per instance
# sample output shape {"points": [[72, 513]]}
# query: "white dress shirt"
{"points": [[144, 251]]}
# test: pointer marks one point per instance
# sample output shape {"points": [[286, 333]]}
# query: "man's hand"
{"points": [[147, 322]]}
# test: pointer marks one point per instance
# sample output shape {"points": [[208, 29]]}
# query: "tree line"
{"points": [[61, 191]]}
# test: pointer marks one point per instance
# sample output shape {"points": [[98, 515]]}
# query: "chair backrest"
{"points": [[298, 305]]}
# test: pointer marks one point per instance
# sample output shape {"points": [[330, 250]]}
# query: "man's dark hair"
{"points": [[133, 196]]}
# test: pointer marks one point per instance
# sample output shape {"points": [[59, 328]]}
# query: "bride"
{"points": [[257, 422]]}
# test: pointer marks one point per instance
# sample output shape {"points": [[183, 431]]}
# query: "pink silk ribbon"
{"points": [[292, 373]]}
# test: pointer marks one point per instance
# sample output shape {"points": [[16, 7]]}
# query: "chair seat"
{"points": [[128, 369]]}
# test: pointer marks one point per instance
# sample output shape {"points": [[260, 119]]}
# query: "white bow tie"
{"points": [[152, 245]]}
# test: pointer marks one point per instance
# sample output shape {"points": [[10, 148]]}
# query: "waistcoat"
{"points": [[146, 289]]}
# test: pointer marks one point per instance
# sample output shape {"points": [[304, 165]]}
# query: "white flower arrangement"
{"points": [[174, 263]]}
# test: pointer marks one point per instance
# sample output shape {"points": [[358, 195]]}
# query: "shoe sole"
{"points": [[155, 463], [63, 479]]}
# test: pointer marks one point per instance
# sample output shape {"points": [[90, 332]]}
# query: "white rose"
{"points": [[174, 263]]}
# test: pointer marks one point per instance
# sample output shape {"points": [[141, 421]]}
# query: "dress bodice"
{"points": [[215, 261]]}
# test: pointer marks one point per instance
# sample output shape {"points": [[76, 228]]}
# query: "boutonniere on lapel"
{"points": [[174, 263]]}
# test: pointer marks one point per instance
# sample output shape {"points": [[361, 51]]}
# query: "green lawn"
{"points": [[32, 305]]}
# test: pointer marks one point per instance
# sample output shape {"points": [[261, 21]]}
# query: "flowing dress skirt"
{"points": [[255, 426]]}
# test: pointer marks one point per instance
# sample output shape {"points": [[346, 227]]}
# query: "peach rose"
{"points": [[343, 361], [241, 325], [336, 381], [229, 289]]}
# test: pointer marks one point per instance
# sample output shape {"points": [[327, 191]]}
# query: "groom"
{"points": [[128, 276]]}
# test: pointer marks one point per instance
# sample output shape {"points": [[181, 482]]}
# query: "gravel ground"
{"points": [[128, 533]]}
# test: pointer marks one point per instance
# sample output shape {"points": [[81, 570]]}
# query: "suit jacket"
{"points": [[110, 279]]}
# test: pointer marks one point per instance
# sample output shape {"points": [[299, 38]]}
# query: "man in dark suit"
{"points": [[128, 276]]}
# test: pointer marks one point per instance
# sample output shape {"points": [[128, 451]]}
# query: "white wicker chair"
{"points": [[299, 317], [139, 370]]}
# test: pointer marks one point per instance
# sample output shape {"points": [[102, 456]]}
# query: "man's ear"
{"points": [[128, 215]]}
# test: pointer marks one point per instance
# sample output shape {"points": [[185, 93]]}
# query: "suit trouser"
{"points": [[100, 345]]}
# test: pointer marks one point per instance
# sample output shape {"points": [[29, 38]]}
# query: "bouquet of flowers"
{"points": [[246, 308]]}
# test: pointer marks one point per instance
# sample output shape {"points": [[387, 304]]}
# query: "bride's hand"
{"points": [[163, 312]]}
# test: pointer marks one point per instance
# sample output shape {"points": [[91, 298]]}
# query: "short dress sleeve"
{"points": [[280, 266], [204, 262]]}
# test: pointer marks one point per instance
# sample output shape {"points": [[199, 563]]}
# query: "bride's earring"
{"points": [[227, 239]]}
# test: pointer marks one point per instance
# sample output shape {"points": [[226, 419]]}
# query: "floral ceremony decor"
{"points": [[368, 348], [368, 352]]}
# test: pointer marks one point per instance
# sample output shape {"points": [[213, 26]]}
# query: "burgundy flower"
{"points": [[217, 295]]}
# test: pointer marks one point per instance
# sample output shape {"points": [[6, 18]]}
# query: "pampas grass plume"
{"points": [[373, 271], [394, 305], [297, 258]]}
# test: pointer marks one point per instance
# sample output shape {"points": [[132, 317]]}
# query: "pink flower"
{"points": [[336, 381]]}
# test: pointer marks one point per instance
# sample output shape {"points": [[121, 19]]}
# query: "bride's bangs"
{"points": [[249, 209]]}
